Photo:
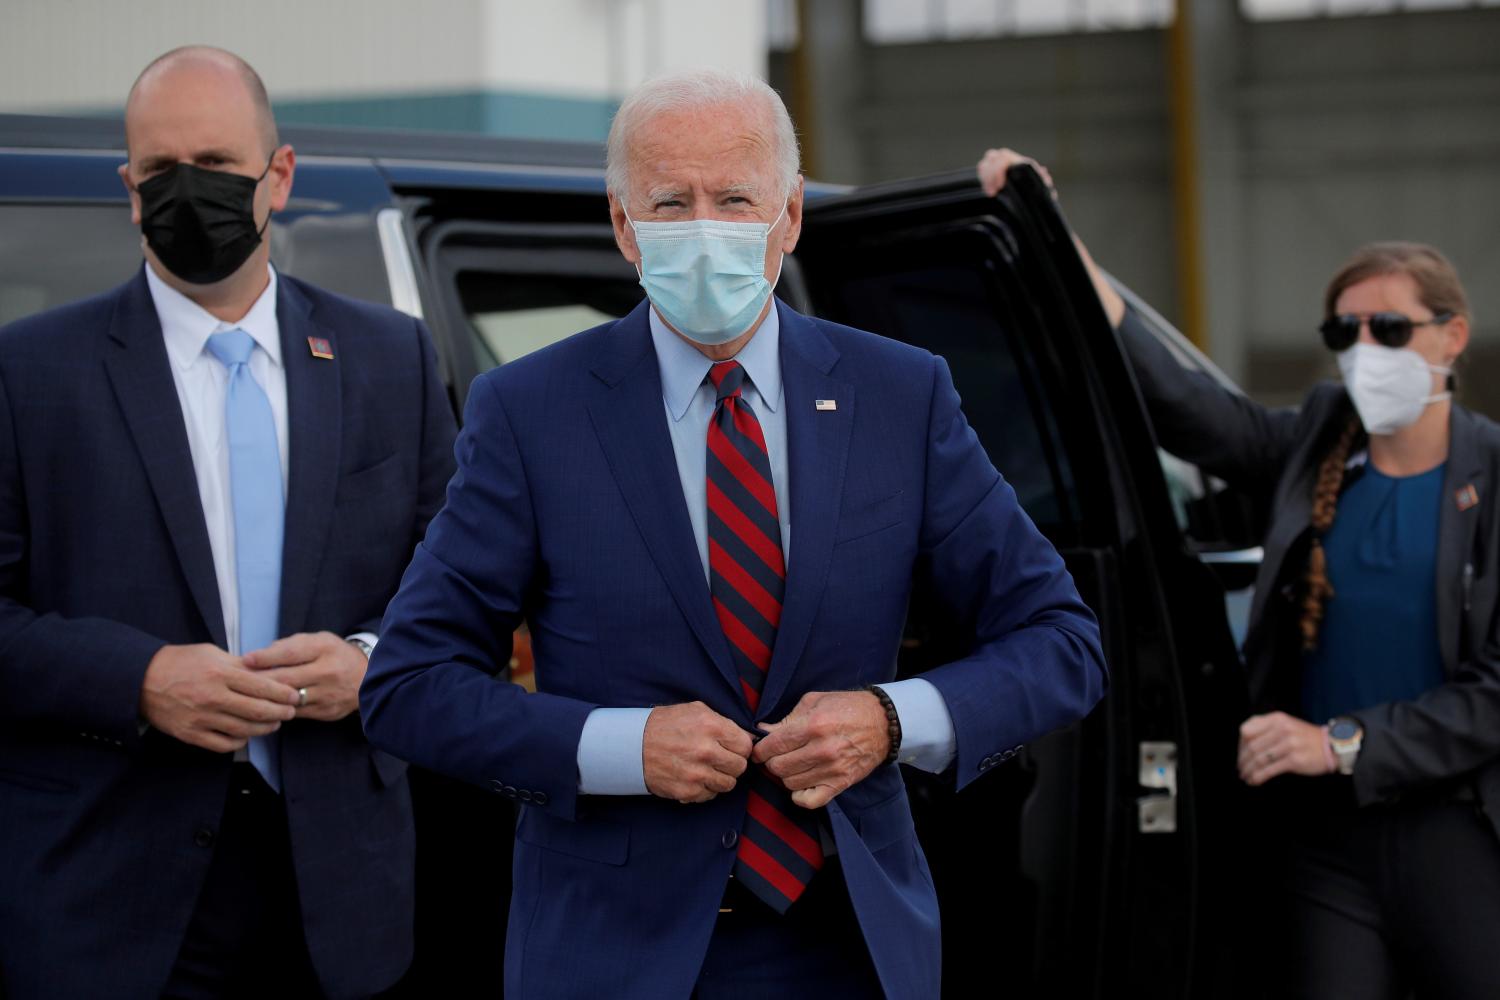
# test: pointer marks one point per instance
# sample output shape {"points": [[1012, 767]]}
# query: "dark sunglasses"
{"points": [[1389, 328]]}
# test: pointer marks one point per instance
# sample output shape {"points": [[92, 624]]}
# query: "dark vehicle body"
{"points": [[1098, 862]]}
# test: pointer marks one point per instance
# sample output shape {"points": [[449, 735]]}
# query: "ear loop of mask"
{"points": [[1447, 372], [261, 233]]}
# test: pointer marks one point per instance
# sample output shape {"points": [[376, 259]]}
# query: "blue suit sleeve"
{"points": [[609, 752], [79, 674], [431, 695], [1036, 663]]}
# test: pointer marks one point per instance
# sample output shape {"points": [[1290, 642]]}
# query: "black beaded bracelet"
{"points": [[893, 722]]}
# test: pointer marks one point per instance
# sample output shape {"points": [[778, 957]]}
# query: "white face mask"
{"points": [[1390, 386]]}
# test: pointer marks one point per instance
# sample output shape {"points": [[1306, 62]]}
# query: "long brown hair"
{"points": [[1439, 290], [1316, 589]]}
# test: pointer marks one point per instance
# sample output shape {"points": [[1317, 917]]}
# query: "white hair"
{"points": [[697, 89]]}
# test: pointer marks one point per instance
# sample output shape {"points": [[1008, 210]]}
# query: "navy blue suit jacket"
{"points": [[104, 558], [567, 511]]}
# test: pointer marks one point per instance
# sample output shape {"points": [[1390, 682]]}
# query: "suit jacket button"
{"points": [[497, 784], [524, 795], [540, 798], [730, 838], [204, 837]]}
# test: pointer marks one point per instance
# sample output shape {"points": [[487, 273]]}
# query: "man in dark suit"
{"points": [[711, 513], [210, 479]]}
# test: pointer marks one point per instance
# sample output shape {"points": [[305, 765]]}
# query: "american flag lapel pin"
{"points": [[825, 404], [1466, 497], [320, 348]]}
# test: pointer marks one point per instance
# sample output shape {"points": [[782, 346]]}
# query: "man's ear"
{"points": [[793, 217], [624, 234], [135, 196], [283, 166]]}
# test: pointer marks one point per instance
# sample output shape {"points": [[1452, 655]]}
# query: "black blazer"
{"points": [[104, 557], [1449, 733]]}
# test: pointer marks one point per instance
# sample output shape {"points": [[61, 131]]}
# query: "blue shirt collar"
{"points": [[683, 367]]}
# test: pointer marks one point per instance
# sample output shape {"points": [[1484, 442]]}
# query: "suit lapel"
{"points": [[1456, 526], [140, 373], [817, 455], [630, 421], [315, 429]]}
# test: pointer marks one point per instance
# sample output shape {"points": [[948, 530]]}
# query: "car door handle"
{"points": [[1239, 557], [1157, 812]]}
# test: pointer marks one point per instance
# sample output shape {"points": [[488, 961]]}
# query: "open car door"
{"points": [[1096, 862]]}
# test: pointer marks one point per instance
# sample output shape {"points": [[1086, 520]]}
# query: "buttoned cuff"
{"points": [[368, 638], [609, 752], [928, 741]]}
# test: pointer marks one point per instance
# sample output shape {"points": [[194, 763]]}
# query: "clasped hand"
{"points": [[830, 741], [204, 696]]}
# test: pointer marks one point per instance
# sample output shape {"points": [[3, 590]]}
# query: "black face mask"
{"points": [[201, 223]]}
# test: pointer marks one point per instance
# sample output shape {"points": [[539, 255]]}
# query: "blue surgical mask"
{"points": [[706, 278]]}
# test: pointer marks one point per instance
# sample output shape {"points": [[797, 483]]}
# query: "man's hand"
{"points": [[692, 753], [1277, 743], [831, 741], [992, 167], [203, 696], [328, 667]]}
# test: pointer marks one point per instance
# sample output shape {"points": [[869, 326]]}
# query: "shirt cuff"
{"points": [[368, 638], [928, 741], [609, 752]]}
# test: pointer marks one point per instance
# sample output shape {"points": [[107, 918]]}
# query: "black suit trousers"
{"points": [[245, 938], [1389, 901]]}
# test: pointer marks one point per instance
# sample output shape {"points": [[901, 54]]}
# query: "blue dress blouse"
{"points": [[1379, 640]]}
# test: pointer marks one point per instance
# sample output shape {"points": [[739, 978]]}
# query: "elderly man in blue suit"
{"points": [[711, 513], [210, 480]]}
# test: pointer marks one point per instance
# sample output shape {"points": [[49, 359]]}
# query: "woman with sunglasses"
{"points": [[1373, 653]]}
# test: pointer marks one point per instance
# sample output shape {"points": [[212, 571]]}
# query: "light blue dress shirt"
{"points": [[609, 749]]}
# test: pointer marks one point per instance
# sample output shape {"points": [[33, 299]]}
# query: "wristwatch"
{"points": [[361, 645], [1344, 737]]}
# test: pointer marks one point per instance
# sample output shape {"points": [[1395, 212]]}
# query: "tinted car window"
{"points": [[949, 310], [511, 315], [54, 254], [503, 291]]}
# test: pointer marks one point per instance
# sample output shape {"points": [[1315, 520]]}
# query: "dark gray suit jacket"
{"points": [[105, 830], [1449, 733]]}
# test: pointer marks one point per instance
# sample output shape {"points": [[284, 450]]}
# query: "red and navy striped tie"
{"points": [[779, 848]]}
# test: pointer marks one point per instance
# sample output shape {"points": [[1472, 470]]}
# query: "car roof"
{"points": [[56, 132], [406, 157]]}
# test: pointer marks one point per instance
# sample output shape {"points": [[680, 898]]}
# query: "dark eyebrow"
{"points": [[155, 162]]}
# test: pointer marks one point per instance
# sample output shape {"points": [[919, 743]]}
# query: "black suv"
{"points": [[1099, 861]]}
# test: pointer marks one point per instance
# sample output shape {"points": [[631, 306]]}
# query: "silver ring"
{"points": [[302, 697]]}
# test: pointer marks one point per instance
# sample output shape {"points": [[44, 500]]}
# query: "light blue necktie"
{"points": [[259, 512]]}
